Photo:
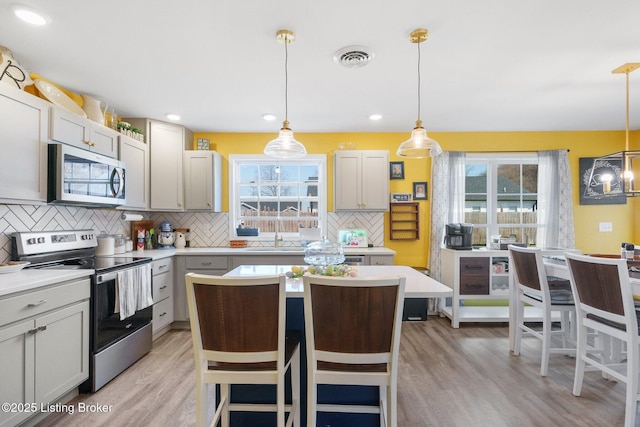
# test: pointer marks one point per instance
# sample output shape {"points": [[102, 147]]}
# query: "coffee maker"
{"points": [[459, 236], [166, 237]]}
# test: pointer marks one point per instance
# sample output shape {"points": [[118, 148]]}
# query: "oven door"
{"points": [[84, 178], [107, 326]]}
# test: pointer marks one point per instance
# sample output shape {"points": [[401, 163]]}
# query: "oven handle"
{"points": [[113, 275]]}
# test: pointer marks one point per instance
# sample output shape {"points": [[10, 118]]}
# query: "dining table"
{"points": [[417, 286]]}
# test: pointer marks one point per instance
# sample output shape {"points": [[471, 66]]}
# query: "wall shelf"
{"points": [[404, 221]]}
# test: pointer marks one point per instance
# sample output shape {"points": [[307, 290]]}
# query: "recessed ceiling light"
{"points": [[269, 117], [173, 117], [375, 117], [30, 14]]}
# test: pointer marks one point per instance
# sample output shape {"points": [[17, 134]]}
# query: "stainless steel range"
{"points": [[120, 331]]}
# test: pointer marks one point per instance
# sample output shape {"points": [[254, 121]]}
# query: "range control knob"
{"points": [[31, 241], [40, 239]]}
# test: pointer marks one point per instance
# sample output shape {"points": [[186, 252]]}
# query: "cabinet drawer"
{"points": [[206, 262], [380, 259], [161, 266], [474, 265], [162, 314], [474, 284], [26, 305], [162, 286]]}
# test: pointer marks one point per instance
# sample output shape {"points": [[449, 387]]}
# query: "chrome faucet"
{"points": [[278, 237]]}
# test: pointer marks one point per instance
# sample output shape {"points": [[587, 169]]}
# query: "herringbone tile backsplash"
{"points": [[206, 229]]}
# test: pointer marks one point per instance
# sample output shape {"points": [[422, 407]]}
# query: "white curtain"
{"points": [[555, 202], [447, 201]]}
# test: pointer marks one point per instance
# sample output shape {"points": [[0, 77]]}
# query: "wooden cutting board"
{"points": [[137, 225]]}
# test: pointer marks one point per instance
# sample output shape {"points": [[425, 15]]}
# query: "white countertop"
{"points": [[290, 250], [27, 280], [418, 285]]}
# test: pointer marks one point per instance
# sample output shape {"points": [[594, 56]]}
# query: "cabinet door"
{"points": [[24, 130], [16, 370], [375, 180], [70, 128], [198, 179], [166, 143], [62, 351], [380, 260], [103, 140], [135, 155], [347, 180]]}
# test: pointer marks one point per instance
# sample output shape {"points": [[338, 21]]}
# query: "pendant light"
{"points": [[419, 145], [285, 145], [622, 184]]}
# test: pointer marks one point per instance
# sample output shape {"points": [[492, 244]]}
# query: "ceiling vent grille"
{"points": [[353, 56]]}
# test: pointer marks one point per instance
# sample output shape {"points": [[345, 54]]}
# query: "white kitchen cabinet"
{"points": [[70, 128], [203, 180], [24, 130], [361, 180], [166, 143], [44, 343], [162, 296], [135, 155], [214, 265]]}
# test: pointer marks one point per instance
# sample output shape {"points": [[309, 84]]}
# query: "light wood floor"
{"points": [[447, 377]]}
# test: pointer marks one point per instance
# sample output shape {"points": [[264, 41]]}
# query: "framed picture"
{"points": [[401, 197], [419, 191], [396, 170], [592, 186]]}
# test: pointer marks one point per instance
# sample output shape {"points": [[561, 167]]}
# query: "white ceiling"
{"points": [[493, 65]]}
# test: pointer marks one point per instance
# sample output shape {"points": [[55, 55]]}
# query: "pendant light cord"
{"points": [[286, 81], [418, 44], [627, 116]]}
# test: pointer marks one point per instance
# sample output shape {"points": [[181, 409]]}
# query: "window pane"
{"points": [[268, 173], [508, 181], [289, 191], [289, 173], [249, 173], [476, 178]]}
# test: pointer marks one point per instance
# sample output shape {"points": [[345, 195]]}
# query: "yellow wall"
{"points": [[580, 144]]}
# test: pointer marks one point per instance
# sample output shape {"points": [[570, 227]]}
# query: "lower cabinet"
{"points": [[162, 296], [201, 264], [45, 349]]}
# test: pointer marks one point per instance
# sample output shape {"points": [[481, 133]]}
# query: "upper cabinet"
{"points": [[361, 180], [135, 155], [166, 145], [23, 134], [81, 132], [203, 180]]}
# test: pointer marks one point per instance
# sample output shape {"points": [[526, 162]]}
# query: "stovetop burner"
{"points": [[48, 249]]}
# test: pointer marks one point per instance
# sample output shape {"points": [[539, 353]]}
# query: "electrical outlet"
{"points": [[605, 227]]}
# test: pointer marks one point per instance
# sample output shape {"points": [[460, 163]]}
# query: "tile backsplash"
{"points": [[207, 229]]}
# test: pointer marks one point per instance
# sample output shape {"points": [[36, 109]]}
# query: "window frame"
{"points": [[236, 160], [493, 160]]}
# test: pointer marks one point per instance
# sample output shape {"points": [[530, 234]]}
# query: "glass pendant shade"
{"points": [[419, 145], [285, 145]]}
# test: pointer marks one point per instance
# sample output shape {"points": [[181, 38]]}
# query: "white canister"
{"points": [[106, 245]]}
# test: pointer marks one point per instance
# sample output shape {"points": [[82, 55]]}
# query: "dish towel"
{"points": [[133, 290]]}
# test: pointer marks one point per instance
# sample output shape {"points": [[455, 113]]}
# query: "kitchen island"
{"points": [[418, 285]]}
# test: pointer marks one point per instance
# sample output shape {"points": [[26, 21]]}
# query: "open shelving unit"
{"points": [[404, 221]]}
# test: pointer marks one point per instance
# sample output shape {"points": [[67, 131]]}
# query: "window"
{"points": [[266, 193], [501, 196]]}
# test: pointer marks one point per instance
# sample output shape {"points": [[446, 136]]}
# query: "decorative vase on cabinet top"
{"points": [[94, 108]]}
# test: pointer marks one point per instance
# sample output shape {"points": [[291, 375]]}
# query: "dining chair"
{"points": [[238, 333], [604, 303], [533, 288], [352, 328]]}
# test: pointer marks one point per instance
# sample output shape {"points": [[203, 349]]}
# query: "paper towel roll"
{"points": [[131, 217]]}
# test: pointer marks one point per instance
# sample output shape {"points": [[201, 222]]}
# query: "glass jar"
{"points": [[323, 252], [119, 244]]}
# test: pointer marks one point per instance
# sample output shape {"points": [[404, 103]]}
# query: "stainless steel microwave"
{"points": [[80, 177]]}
